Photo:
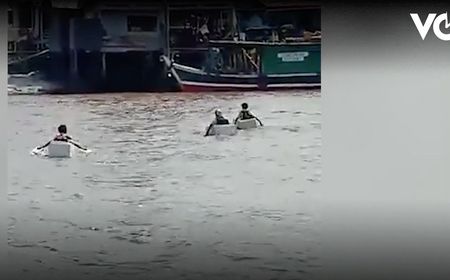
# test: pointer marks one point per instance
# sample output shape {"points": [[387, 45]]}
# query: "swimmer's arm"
{"points": [[259, 121], [251, 114], [45, 146], [237, 118], [209, 128], [77, 145], [71, 141]]}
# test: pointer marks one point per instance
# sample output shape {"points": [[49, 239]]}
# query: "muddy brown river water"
{"points": [[156, 199]]}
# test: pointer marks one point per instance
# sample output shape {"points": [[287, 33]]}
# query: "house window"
{"points": [[142, 23], [25, 16], [10, 17]]}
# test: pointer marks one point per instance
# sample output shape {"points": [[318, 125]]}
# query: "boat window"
{"points": [[142, 23]]}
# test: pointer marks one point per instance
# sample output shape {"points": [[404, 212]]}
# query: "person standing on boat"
{"points": [[218, 120], [245, 114]]}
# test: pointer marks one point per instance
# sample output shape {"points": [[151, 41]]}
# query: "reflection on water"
{"points": [[158, 199]]}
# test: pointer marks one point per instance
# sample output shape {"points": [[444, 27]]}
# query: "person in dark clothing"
{"points": [[62, 137], [218, 120], [245, 114]]}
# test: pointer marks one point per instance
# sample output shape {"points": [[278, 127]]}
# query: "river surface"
{"points": [[157, 200]]}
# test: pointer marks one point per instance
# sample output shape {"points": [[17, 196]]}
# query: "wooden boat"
{"points": [[248, 66]]}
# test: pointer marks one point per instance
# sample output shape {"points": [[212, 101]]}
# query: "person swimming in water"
{"points": [[245, 114], [218, 120], [62, 137]]}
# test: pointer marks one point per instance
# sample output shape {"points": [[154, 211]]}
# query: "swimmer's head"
{"points": [[62, 129], [244, 106], [218, 113]]}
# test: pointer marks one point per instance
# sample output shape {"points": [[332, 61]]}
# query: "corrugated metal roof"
{"points": [[290, 3]]}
